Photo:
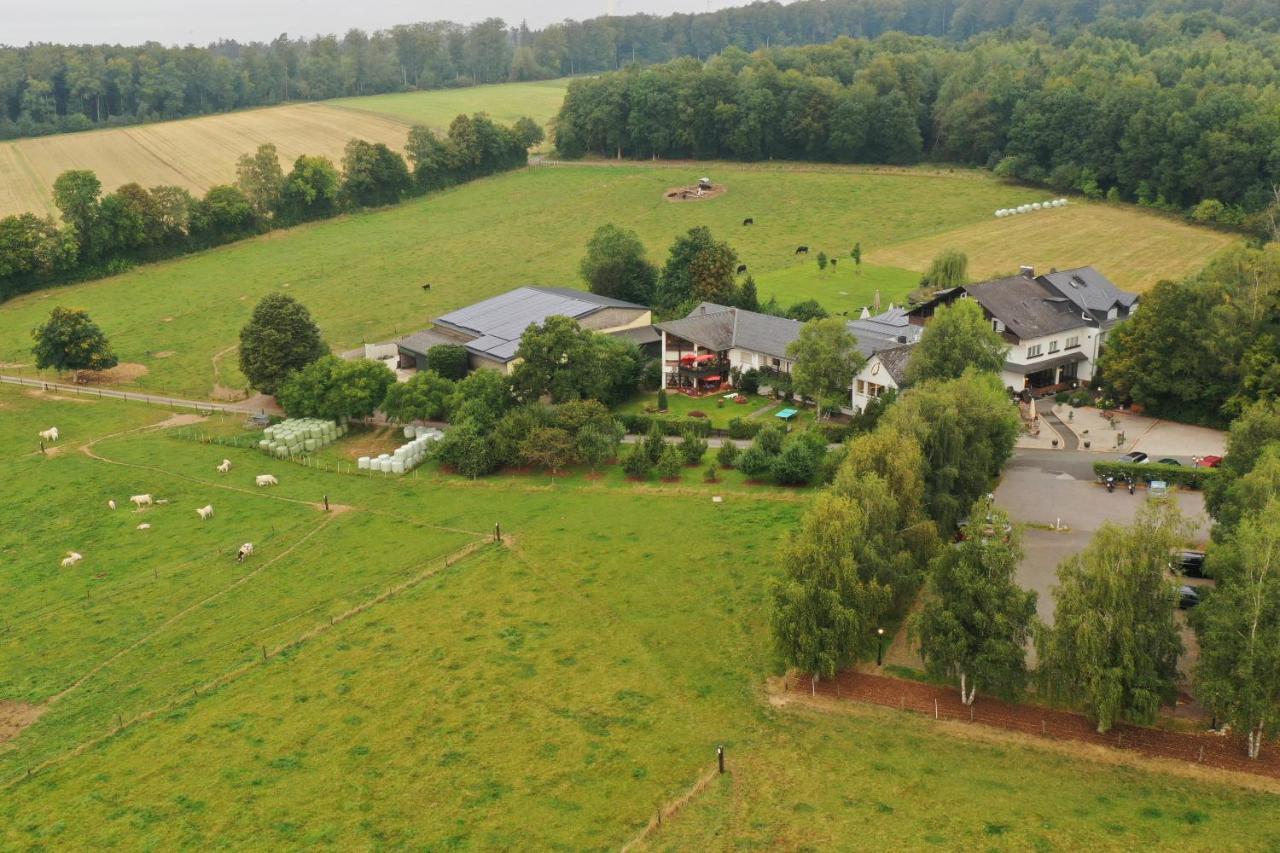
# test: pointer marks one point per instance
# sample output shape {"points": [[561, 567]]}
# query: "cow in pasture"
{"points": [[225, 466], [140, 501], [426, 287], [266, 480], [245, 550], [111, 503], [71, 559], [50, 434], [802, 250], [205, 512], [834, 261], [742, 268], [748, 221]]}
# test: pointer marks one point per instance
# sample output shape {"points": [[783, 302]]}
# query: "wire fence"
{"points": [[1221, 751]]}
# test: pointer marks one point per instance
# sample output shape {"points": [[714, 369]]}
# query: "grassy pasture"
{"points": [[1133, 252], [199, 152], [359, 274], [546, 694]]}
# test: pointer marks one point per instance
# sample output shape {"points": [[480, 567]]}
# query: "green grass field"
{"points": [[504, 102], [360, 274]]}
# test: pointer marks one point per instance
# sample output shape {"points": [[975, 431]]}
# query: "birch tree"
{"points": [[976, 620], [1113, 648], [1238, 675]]}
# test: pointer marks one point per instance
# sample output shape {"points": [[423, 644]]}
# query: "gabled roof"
{"points": [[1028, 307], [495, 325], [889, 329], [420, 342], [1089, 289], [720, 328], [895, 361]]}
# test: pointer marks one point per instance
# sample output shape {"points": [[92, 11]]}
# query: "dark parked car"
{"points": [[1134, 457], [1168, 460], [1190, 563], [1188, 597]]}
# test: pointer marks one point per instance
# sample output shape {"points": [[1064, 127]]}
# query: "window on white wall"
{"points": [[1072, 342], [1053, 346], [1033, 351]]}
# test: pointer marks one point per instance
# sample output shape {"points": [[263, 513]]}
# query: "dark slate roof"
{"points": [[1089, 289], [895, 361], [719, 328], [496, 324], [420, 342], [639, 336], [883, 331], [1028, 307]]}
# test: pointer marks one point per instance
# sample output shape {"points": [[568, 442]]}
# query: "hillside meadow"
{"points": [[198, 153], [345, 688], [360, 274]]}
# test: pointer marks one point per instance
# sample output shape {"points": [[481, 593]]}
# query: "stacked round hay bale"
{"points": [[297, 436]]}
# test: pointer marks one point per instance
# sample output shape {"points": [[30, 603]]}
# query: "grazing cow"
{"points": [[426, 287], [205, 512], [266, 480], [245, 550], [144, 526], [140, 501], [225, 466], [71, 559], [50, 434], [112, 503], [802, 250], [748, 221], [742, 268], [834, 261]]}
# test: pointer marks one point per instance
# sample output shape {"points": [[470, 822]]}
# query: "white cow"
{"points": [[112, 503], [266, 480], [205, 512], [245, 550], [141, 500], [50, 434], [71, 559], [225, 466], [144, 526]]}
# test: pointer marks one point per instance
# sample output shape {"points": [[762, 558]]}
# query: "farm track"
{"points": [[1205, 750]]}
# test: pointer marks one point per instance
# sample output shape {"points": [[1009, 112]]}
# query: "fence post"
{"points": [[935, 709]]}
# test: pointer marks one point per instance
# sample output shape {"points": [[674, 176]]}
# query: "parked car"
{"points": [[1190, 563], [1134, 457], [1168, 460], [1188, 597], [1208, 461]]}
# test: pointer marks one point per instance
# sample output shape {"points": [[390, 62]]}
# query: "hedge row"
{"points": [[640, 424], [1178, 475]]}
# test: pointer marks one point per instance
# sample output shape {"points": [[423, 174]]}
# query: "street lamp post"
{"points": [[879, 646]]}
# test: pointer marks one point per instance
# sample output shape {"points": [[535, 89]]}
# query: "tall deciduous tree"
{"points": [[424, 397], [958, 338], [311, 190], [76, 193], [615, 265], [279, 338], [1113, 647], [976, 620], [333, 388], [69, 340], [372, 174], [698, 268], [826, 605], [1238, 674], [949, 268], [826, 360], [260, 178], [548, 447]]}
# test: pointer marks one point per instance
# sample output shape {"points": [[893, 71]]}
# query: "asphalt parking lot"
{"points": [[1046, 488]]}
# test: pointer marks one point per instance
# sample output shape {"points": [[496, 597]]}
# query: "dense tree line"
{"points": [[1174, 112], [1203, 349], [100, 234], [49, 88]]}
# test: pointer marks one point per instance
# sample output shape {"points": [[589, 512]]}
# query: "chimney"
{"points": [[865, 315], [1027, 272]]}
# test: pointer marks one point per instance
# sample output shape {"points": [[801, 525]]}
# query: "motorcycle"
{"points": [[1110, 483], [1131, 485]]}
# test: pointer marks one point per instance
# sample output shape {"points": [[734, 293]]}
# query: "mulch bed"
{"points": [[1224, 752]]}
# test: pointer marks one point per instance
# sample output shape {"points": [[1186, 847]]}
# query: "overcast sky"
{"points": [[203, 21]]}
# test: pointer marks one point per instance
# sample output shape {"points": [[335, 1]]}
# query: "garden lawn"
{"points": [[360, 275], [680, 405], [846, 288], [549, 692]]}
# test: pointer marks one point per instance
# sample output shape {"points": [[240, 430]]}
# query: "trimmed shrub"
{"points": [[641, 424], [769, 439], [749, 382], [692, 449], [449, 360], [754, 462], [637, 463], [670, 463], [711, 475], [740, 428], [654, 443], [662, 399], [1174, 475], [727, 453]]}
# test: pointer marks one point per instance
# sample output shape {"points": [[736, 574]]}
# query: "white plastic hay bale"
{"points": [[409, 432], [397, 466], [363, 463], [311, 445], [1035, 206], [264, 444], [282, 452], [269, 432]]}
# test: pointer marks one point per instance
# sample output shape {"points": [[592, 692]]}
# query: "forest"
{"points": [[51, 88], [1176, 117]]}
